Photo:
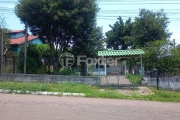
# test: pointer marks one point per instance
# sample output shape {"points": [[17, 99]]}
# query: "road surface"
{"points": [[36, 107]]}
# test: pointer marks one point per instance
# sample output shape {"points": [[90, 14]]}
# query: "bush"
{"points": [[33, 60], [66, 71], [42, 70], [31, 65], [134, 78]]}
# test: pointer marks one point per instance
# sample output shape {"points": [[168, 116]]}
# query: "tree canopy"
{"points": [[148, 26], [117, 36], [60, 23]]}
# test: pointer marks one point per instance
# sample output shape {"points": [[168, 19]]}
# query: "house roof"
{"points": [[121, 52], [16, 31], [21, 40]]}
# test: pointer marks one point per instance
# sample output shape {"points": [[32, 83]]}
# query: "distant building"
{"points": [[17, 39]]}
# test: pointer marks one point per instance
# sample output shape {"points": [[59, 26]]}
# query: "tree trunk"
{"points": [[83, 69]]}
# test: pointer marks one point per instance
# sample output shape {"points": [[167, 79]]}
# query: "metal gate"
{"points": [[115, 80]]}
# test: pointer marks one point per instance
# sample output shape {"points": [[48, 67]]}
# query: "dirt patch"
{"points": [[139, 91]]}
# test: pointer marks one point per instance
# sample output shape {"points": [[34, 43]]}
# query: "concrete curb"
{"points": [[43, 93]]}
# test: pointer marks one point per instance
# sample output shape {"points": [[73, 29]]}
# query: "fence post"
{"points": [[1, 50], [14, 64], [157, 82]]}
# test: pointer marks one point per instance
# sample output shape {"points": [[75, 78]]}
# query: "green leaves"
{"points": [[148, 26], [59, 23], [35, 54], [119, 33]]}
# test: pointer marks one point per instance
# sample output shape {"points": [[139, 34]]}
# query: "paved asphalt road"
{"points": [[32, 107]]}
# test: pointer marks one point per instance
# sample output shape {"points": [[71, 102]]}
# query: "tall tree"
{"points": [[150, 26], [88, 45], [160, 54], [118, 34], [34, 60], [58, 22]]}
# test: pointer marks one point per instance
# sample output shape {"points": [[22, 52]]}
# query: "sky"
{"points": [[110, 10]]}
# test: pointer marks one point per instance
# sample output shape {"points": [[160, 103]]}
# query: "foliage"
{"points": [[117, 37], [34, 60], [31, 65], [159, 54], [88, 45], [59, 23], [44, 50], [134, 78], [45, 56], [67, 71], [36, 55], [42, 70], [150, 26]]}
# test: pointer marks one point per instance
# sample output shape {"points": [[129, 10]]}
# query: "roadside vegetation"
{"points": [[134, 78], [90, 91]]}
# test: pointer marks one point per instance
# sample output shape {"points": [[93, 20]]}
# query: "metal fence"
{"points": [[10, 64], [169, 67]]}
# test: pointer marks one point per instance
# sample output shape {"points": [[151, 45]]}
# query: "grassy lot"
{"points": [[90, 91]]}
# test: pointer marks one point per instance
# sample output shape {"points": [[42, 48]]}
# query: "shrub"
{"points": [[66, 71], [42, 70], [31, 65]]}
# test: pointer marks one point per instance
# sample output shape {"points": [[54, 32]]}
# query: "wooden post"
{"points": [[1, 48], [14, 63], [25, 48]]}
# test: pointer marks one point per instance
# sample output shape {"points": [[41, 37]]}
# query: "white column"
{"points": [[141, 66], [98, 69], [125, 67]]}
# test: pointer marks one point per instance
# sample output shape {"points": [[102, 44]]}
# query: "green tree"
{"points": [[88, 45], [44, 51], [117, 36], [34, 60], [149, 26], [58, 22], [159, 55]]}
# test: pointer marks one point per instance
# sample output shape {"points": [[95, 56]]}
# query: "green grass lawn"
{"points": [[90, 91]]}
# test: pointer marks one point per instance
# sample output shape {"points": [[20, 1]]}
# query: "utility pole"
{"points": [[1, 48], [25, 48]]}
